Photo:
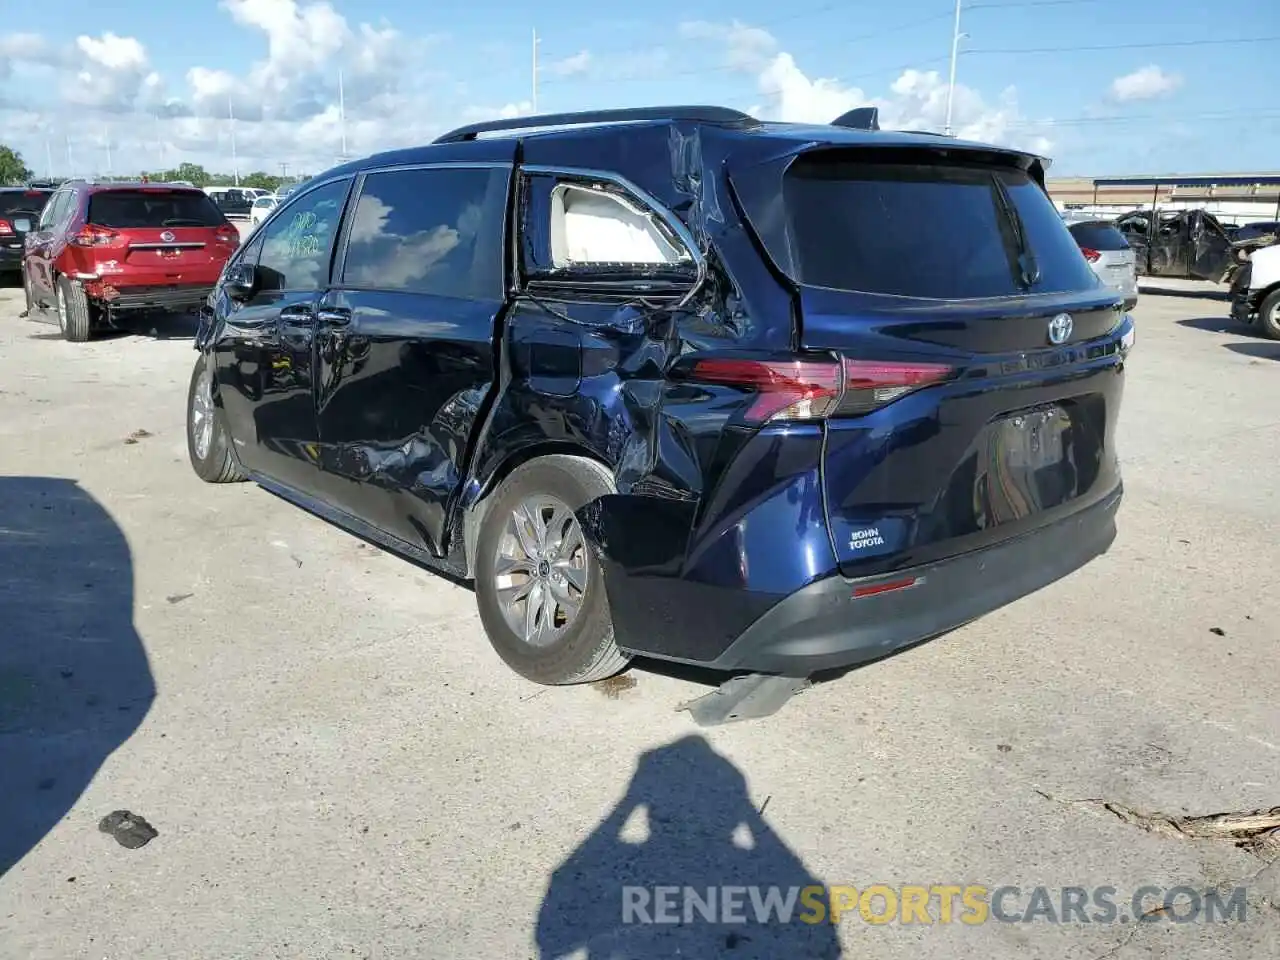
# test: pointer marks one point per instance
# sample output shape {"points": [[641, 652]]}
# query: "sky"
{"points": [[92, 88]]}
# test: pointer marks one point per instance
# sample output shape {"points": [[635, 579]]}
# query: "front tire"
{"points": [[539, 586], [74, 312], [1269, 316], [209, 446]]}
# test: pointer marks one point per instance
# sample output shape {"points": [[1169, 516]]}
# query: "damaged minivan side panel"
{"points": [[619, 278]]}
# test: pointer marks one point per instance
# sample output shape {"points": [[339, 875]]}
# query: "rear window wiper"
{"points": [[1028, 266]]}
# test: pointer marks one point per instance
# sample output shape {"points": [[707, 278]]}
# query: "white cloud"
{"points": [[916, 100], [578, 63], [285, 104], [1145, 83]]}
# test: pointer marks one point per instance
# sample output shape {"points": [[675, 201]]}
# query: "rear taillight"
{"points": [[785, 390], [1093, 256], [869, 385], [810, 389], [227, 235], [92, 235], [5, 228]]}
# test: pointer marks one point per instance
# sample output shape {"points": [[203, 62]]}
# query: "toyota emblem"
{"points": [[167, 237], [1060, 329]]}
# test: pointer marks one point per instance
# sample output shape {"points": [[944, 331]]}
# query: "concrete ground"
{"points": [[337, 764]]}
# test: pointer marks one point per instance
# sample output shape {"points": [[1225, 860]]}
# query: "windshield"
{"points": [[147, 208], [927, 230], [15, 203]]}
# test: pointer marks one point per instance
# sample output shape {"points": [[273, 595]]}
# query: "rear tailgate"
{"points": [[974, 410], [160, 230]]}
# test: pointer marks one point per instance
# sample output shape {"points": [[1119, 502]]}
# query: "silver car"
{"points": [[1110, 256]]}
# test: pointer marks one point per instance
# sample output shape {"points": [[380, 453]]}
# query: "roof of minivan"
{"points": [[496, 146]]}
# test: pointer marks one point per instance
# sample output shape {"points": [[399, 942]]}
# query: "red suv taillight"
{"points": [[813, 389], [92, 235], [228, 235], [1093, 256]]}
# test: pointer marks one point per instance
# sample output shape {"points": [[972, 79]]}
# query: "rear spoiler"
{"points": [[868, 118]]}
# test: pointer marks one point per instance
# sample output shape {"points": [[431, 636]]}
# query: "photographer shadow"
{"points": [[74, 678], [704, 837]]}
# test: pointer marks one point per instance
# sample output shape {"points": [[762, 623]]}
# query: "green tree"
{"points": [[12, 169], [261, 180]]}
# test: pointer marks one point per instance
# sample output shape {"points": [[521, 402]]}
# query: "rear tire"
{"points": [[1269, 315], [558, 644], [73, 311], [209, 446]]}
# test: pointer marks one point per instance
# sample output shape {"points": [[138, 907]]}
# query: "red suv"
{"points": [[101, 249]]}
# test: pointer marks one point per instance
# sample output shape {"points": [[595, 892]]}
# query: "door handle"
{"points": [[334, 316], [297, 312]]}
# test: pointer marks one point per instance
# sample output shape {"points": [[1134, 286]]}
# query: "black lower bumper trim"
{"points": [[823, 627], [161, 298]]}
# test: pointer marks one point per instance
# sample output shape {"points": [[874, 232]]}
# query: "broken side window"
{"points": [[593, 226]]}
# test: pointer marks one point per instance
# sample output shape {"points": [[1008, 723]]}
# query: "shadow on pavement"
{"points": [[703, 835], [1191, 293], [1214, 324], [1267, 350], [74, 678]]}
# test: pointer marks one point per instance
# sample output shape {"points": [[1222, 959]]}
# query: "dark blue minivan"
{"points": [[678, 383]]}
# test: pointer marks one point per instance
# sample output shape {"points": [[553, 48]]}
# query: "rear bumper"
{"points": [[1244, 306], [10, 255], [823, 627], [172, 297]]}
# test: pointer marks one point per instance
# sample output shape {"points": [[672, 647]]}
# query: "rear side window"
{"points": [[30, 203], [146, 208], [1098, 236], [435, 231], [930, 231]]}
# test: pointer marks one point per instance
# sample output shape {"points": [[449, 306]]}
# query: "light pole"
{"points": [[956, 36], [535, 70]]}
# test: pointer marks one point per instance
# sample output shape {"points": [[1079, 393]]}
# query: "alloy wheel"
{"points": [[202, 415], [541, 570]]}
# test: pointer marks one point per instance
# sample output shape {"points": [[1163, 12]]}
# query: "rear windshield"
{"points": [[15, 202], [925, 230], [145, 208], [1098, 236]]}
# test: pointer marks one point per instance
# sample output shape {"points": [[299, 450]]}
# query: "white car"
{"points": [[1255, 291], [261, 209]]}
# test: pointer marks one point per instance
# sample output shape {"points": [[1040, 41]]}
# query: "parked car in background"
{"points": [[19, 213], [1187, 244], [261, 209], [1255, 291], [101, 249], [774, 436], [1110, 256], [1258, 230], [232, 201]]}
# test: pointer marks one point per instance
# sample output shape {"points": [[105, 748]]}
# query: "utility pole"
{"points": [[284, 171], [71, 167], [535, 70], [48, 157], [955, 51], [106, 131], [235, 163], [342, 115]]}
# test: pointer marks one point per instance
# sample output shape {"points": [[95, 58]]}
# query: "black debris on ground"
{"points": [[129, 830]]}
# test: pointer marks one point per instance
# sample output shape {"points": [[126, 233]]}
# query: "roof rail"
{"points": [[695, 114], [860, 118]]}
